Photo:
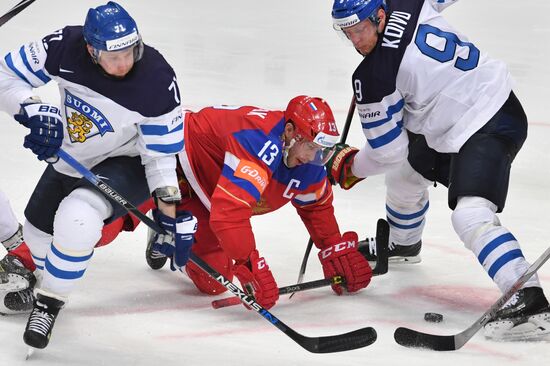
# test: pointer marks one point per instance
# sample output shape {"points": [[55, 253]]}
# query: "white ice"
{"points": [[263, 53]]}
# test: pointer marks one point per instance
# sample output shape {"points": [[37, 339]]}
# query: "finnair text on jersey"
{"points": [[395, 28]]}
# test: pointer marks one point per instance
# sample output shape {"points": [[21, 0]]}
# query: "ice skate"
{"points": [[407, 254], [41, 321], [14, 276], [526, 317]]}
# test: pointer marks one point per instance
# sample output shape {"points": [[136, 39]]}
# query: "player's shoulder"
{"points": [[63, 46]]}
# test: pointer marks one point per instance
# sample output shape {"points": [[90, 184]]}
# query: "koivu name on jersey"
{"points": [[82, 118], [395, 28]]}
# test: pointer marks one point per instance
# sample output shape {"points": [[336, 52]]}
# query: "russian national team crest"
{"points": [[83, 120]]}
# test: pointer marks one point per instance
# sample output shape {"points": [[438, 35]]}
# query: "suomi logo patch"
{"points": [[84, 120]]}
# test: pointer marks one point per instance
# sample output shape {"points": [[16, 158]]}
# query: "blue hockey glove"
{"points": [[44, 121], [180, 236]]}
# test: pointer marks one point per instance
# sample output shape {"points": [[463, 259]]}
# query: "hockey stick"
{"points": [[336, 280], [230, 301], [335, 343], [15, 10], [412, 338], [343, 139]]}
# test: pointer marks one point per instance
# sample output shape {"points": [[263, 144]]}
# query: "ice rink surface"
{"points": [[263, 53]]}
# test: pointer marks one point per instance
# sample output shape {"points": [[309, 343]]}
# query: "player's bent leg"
{"points": [[218, 260], [475, 221], [407, 202], [77, 225]]}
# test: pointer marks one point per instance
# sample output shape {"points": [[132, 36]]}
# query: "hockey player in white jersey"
{"points": [[435, 109], [120, 116]]}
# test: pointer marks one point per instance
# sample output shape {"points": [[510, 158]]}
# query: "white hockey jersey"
{"points": [[425, 77], [103, 117]]}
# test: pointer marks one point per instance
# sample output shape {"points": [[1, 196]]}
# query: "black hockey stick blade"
{"points": [[14, 11], [327, 344], [338, 343], [412, 338], [382, 242]]}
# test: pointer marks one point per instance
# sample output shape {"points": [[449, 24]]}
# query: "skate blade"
{"points": [[13, 284], [535, 329], [400, 260], [30, 352]]}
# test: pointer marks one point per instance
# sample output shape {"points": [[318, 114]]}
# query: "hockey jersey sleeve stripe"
{"points": [[11, 65], [493, 244], [309, 198], [387, 137], [401, 216], [39, 74], [392, 109], [156, 130], [247, 186], [166, 148]]}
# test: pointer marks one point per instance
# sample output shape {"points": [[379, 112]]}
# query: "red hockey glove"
{"points": [[343, 259], [257, 280], [339, 166]]}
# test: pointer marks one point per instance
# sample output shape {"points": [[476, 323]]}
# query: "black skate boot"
{"points": [[155, 260], [39, 327], [396, 253], [13, 275], [526, 317]]}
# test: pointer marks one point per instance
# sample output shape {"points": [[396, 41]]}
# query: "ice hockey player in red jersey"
{"points": [[243, 161]]}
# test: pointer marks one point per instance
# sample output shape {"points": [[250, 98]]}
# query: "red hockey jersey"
{"points": [[233, 160]]}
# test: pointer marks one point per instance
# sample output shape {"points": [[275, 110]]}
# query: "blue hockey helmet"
{"points": [[109, 28], [346, 13]]}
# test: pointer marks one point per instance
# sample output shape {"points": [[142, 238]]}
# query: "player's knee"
{"points": [[79, 219], [204, 283], [472, 217]]}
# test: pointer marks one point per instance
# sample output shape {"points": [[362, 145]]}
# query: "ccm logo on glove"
{"points": [[337, 248]]}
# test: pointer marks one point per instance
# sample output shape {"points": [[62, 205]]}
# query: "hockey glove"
{"points": [[339, 166], [257, 280], [344, 260], [180, 236], [44, 121]]}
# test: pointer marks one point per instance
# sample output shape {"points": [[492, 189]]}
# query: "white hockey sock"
{"points": [[497, 250]]}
